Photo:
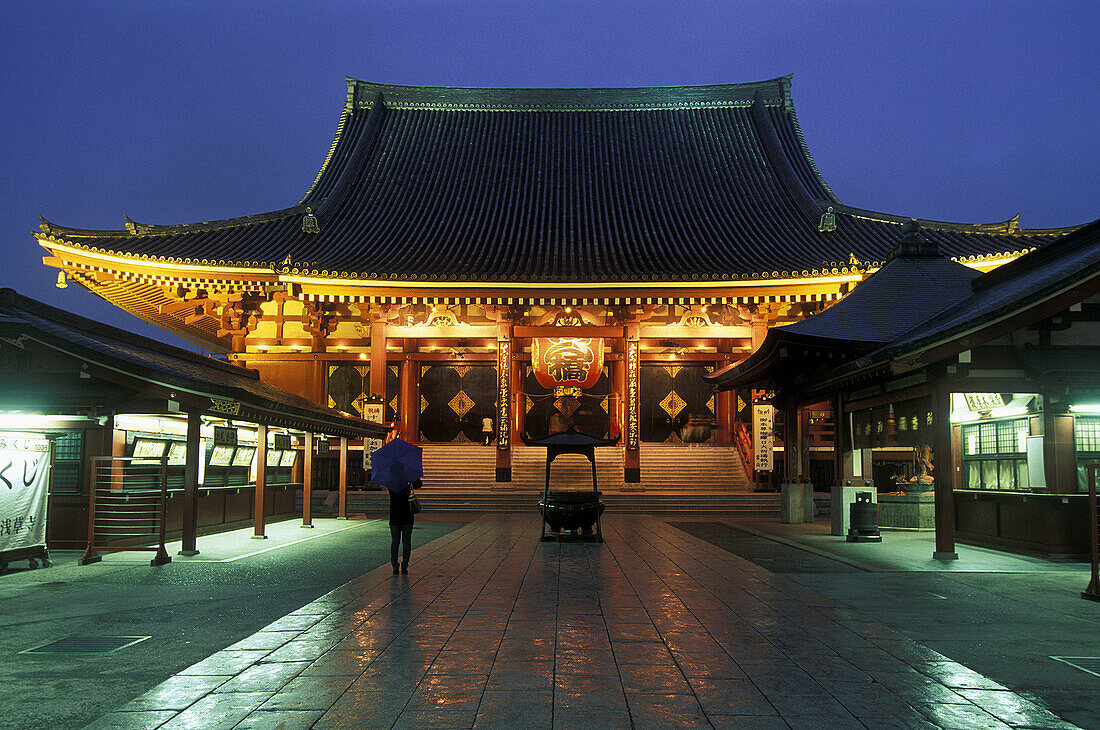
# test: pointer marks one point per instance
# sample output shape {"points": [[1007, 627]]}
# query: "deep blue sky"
{"points": [[180, 112]]}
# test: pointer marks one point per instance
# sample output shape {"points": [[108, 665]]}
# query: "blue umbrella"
{"points": [[396, 465]]}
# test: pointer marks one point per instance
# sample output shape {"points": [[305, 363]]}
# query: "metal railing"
{"points": [[126, 507]]}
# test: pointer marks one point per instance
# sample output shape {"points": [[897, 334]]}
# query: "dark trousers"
{"points": [[400, 533]]}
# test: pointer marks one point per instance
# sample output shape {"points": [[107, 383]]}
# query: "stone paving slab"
{"points": [[651, 629]]}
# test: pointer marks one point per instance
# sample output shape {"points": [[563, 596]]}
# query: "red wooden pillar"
{"points": [[189, 539], [409, 400], [519, 405], [261, 480], [723, 400], [618, 381], [307, 481], [943, 472], [378, 360]]}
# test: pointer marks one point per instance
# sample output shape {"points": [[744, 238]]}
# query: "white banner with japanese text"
{"points": [[762, 432], [24, 487], [371, 412]]}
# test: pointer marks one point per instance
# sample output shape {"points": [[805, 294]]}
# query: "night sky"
{"points": [[183, 112]]}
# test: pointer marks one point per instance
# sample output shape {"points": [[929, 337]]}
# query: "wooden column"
{"points": [[519, 406], [724, 399], [378, 360], [792, 445], [409, 400], [261, 480], [189, 539], [618, 381], [343, 478], [307, 481], [1059, 449], [943, 471], [840, 433]]}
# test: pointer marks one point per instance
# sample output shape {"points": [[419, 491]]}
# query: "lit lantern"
{"points": [[567, 361]]}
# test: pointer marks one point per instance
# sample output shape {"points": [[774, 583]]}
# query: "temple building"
{"points": [[527, 260]]}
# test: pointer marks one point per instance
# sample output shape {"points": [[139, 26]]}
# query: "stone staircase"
{"points": [[675, 480]]}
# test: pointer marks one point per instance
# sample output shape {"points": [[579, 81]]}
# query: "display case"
{"points": [[244, 456], [221, 456], [177, 453], [147, 448]]}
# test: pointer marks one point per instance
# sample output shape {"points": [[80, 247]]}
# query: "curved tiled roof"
{"points": [[559, 185], [140, 359]]}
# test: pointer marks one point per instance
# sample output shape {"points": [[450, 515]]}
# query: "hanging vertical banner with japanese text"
{"points": [[504, 394], [633, 382], [371, 412], [763, 431], [24, 487]]}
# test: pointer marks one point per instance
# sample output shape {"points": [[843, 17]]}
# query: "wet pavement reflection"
{"points": [[652, 629]]}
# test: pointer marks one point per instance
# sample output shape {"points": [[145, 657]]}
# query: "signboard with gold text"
{"points": [[371, 412], [763, 430], [504, 394]]}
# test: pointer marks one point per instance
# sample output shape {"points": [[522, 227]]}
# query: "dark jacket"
{"points": [[400, 512]]}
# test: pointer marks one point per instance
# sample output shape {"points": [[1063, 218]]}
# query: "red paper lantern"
{"points": [[567, 361]]}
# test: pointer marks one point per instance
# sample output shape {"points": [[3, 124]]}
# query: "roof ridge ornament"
{"points": [[913, 242], [310, 223], [828, 221]]}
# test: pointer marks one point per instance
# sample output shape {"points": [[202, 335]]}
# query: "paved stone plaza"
{"points": [[653, 628]]}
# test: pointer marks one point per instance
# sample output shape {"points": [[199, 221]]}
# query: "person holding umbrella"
{"points": [[398, 465], [401, 526]]}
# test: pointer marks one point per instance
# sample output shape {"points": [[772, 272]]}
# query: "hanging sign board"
{"points": [[371, 412], [225, 436], [763, 429], [24, 486]]}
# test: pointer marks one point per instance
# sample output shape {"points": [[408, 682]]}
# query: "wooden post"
{"points": [[724, 399], [943, 472], [1059, 449], [261, 480], [409, 400], [618, 380], [307, 481], [519, 406], [840, 434], [791, 445], [343, 477], [378, 360], [189, 539]]}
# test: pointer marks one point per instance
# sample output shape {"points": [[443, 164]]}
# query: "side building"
{"points": [[536, 257]]}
